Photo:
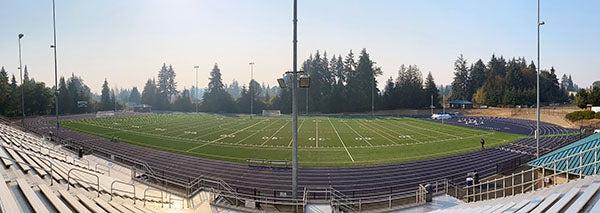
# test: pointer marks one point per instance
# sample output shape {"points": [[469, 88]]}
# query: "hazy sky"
{"points": [[126, 41]]}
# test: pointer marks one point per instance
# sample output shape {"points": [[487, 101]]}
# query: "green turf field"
{"points": [[323, 141]]}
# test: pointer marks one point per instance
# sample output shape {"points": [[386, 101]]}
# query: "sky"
{"points": [[127, 41]]}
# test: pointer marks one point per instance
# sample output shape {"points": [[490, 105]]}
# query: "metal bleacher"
{"points": [[565, 180], [37, 176]]}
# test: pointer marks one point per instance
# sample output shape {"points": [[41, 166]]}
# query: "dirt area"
{"points": [[554, 115]]}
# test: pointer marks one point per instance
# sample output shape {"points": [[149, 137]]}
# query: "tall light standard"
{"points": [[22, 86], [196, 89], [373, 95], [537, 109], [295, 106], [302, 82], [53, 46], [250, 88]]}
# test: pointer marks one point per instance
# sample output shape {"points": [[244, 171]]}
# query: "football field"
{"points": [[322, 141]]}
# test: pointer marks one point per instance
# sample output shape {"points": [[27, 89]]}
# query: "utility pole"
{"points": [[373, 95], [537, 109], [251, 90], [432, 106], [53, 46], [196, 99], [295, 109], [22, 83]]}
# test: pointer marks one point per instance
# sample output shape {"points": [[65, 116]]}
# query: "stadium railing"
{"points": [[527, 180]]}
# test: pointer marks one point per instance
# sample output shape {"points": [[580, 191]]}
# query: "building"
{"points": [[456, 104], [142, 108]]}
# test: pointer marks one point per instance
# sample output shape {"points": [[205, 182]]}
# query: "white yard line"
{"points": [[338, 135], [268, 139], [317, 133], [355, 132], [374, 130], [253, 134], [431, 130], [299, 127], [223, 137], [376, 123]]}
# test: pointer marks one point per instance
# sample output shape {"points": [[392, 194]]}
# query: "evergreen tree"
{"points": [[361, 82], [184, 102], [167, 87], [431, 90], [149, 93], [134, 96], [216, 99], [65, 98], [4, 91], [460, 85], [105, 97]]}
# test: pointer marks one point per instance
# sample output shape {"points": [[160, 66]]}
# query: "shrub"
{"points": [[580, 115], [597, 115]]}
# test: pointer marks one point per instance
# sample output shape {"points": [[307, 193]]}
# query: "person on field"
{"points": [[482, 143]]}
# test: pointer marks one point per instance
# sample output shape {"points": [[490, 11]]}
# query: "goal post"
{"points": [[271, 112]]}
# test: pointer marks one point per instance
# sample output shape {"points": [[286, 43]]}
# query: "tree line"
{"points": [[339, 84], [501, 82]]}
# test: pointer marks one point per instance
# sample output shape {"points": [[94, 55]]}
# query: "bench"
{"points": [[73, 201], [6, 197], [91, 205], [19, 160], [54, 200], [7, 163], [546, 203], [564, 200], [33, 200], [582, 200]]}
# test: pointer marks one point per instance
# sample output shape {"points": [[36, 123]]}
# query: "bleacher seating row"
{"points": [[576, 196], [37, 176]]}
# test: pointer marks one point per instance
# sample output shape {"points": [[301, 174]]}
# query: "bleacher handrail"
{"points": [[81, 179], [113, 190]]}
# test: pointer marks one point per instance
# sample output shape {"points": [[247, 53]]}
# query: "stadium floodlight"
{"points": [[304, 81], [21, 78], [281, 83]]}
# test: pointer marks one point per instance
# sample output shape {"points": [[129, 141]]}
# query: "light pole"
{"points": [[251, 90], [196, 89], [537, 109], [373, 95], [22, 83], [295, 107], [53, 46]]}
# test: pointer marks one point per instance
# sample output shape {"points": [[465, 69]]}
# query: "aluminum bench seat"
{"points": [[54, 200], [33, 200]]}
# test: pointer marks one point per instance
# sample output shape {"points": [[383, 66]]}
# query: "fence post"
{"points": [[533, 179], [554, 175], [522, 182], [580, 166], [503, 186], [512, 186], [543, 177], [596, 161]]}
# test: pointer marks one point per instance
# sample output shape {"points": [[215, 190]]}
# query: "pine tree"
{"points": [[216, 99], [149, 93], [134, 96], [105, 97], [4, 91], [460, 85], [431, 89], [65, 98]]}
